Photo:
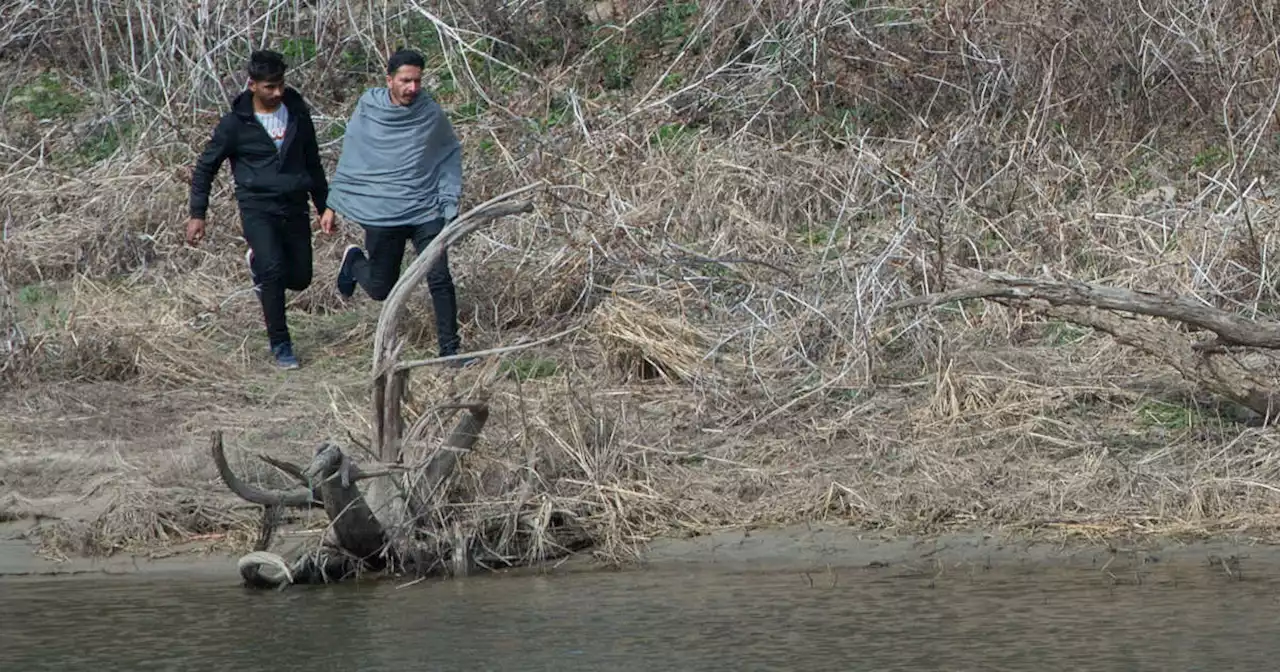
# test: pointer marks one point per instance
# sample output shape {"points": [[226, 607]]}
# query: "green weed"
{"points": [[33, 295], [529, 368], [48, 98], [102, 144], [1210, 158], [1165, 415], [671, 135], [1061, 333], [298, 50], [471, 110]]}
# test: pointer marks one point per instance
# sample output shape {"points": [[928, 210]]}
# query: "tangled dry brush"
{"points": [[736, 190]]}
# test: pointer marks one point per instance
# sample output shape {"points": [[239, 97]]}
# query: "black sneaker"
{"points": [[283, 354], [346, 278]]}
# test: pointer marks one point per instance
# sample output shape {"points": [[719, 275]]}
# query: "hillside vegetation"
{"points": [[737, 190]]}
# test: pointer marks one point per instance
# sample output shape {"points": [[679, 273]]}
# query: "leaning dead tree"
{"points": [[1223, 363], [396, 524]]}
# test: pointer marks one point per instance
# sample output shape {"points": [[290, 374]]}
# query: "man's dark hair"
{"points": [[266, 66], [404, 57]]}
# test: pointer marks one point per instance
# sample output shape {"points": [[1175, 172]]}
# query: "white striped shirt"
{"points": [[275, 123]]}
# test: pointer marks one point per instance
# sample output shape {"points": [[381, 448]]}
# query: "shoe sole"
{"points": [[248, 261], [345, 254]]}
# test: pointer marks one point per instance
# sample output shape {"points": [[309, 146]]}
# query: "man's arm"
{"points": [[311, 149], [216, 150], [450, 181]]}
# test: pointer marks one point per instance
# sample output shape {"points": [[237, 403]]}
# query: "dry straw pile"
{"points": [[740, 187]]}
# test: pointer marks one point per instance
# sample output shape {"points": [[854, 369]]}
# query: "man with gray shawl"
{"points": [[399, 177]]}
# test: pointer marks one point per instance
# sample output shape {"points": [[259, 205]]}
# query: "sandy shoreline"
{"points": [[811, 549]]}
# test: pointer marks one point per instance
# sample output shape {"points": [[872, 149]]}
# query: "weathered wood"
{"points": [[297, 498], [1230, 329], [287, 467], [262, 569], [332, 476], [393, 421], [1215, 371], [460, 441], [355, 528], [1205, 363], [390, 384], [330, 480], [418, 363], [424, 495], [388, 389]]}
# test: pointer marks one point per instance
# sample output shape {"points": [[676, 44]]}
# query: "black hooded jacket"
{"points": [[265, 179]]}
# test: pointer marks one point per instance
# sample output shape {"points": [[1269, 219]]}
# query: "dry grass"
{"points": [[742, 186]]}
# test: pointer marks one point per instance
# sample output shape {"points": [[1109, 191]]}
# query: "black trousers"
{"points": [[378, 272], [281, 244]]}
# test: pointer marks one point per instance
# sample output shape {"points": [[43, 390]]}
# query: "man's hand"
{"points": [[195, 231], [326, 221]]}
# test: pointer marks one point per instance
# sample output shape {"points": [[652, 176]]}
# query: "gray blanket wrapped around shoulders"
{"points": [[401, 165]]}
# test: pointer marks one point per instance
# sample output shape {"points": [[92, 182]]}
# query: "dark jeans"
{"points": [[281, 244], [378, 274]]}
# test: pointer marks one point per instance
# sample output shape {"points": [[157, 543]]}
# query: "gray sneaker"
{"points": [[283, 354]]}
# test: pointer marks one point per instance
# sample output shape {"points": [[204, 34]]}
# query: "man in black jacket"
{"points": [[270, 140]]}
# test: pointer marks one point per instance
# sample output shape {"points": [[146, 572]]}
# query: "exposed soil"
{"points": [[101, 468]]}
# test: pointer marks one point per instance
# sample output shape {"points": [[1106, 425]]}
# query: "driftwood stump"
{"points": [[380, 529], [1217, 364]]}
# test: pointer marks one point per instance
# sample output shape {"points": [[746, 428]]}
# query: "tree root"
{"points": [[358, 539], [357, 542]]}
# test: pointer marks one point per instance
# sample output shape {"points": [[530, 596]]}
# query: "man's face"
{"points": [[405, 84], [268, 94]]}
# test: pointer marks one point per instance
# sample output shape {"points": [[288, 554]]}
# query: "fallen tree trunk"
{"points": [[356, 540], [396, 525], [1209, 363]]}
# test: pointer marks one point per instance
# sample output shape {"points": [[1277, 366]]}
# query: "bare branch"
{"points": [[460, 440], [1207, 365], [1229, 328], [416, 363], [1215, 371], [389, 384], [298, 498], [465, 224]]}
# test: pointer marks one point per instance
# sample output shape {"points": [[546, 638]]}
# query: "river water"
{"points": [[674, 618]]}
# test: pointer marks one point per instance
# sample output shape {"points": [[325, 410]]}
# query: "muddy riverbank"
{"points": [[818, 552]]}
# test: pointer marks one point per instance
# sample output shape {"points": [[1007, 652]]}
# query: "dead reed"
{"points": [[741, 186]]}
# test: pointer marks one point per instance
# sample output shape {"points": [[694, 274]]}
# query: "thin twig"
{"points": [[417, 363]]}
